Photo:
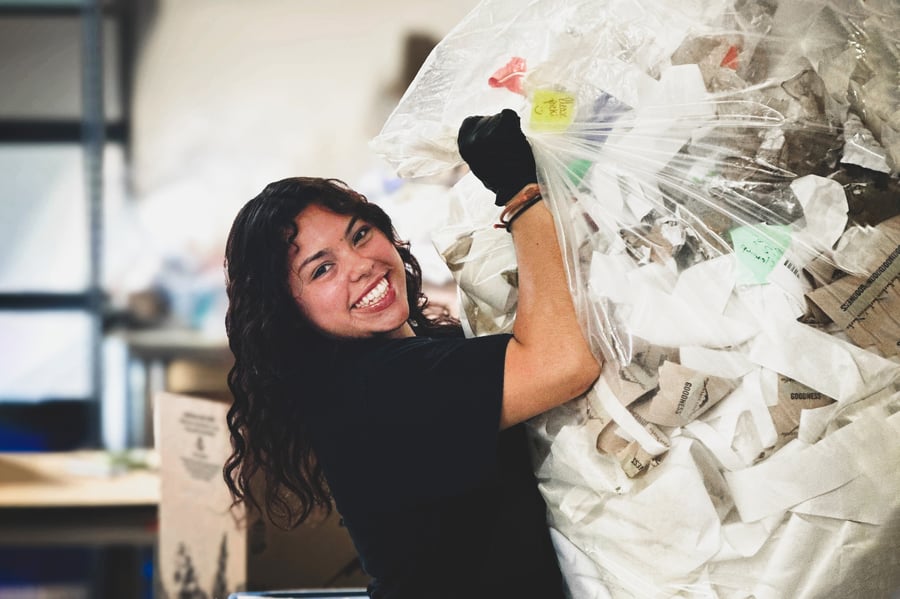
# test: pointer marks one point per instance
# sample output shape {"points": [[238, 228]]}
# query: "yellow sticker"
{"points": [[552, 110]]}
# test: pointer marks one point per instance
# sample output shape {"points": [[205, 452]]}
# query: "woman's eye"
{"points": [[361, 233], [321, 270]]}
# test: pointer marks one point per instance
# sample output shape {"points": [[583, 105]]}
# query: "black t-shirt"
{"points": [[438, 502]]}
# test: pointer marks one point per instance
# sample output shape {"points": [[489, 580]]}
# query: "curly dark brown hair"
{"points": [[277, 352]]}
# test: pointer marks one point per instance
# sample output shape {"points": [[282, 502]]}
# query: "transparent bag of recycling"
{"points": [[723, 175]]}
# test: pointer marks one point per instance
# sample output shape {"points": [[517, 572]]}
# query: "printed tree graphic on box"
{"points": [[220, 583], [186, 585]]}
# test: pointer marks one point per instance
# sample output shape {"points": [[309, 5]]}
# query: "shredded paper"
{"points": [[724, 178]]}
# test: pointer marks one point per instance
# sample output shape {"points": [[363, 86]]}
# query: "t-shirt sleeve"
{"points": [[422, 418]]}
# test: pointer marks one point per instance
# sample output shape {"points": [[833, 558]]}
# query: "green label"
{"points": [[758, 250], [577, 169]]}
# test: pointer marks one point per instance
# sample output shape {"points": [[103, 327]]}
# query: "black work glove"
{"points": [[498, 153]]}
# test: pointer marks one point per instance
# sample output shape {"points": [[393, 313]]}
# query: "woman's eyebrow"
{"points": [[312, 258], [350, 225], [320, 253]]}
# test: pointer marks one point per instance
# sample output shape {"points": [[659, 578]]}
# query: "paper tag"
{"points": [[758, 250], [552, 110]]}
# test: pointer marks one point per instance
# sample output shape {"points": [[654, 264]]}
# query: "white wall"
{"points": [[232, 94]]}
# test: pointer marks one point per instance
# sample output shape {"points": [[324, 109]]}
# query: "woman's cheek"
{"points": [[314, 302], [332, 297]]}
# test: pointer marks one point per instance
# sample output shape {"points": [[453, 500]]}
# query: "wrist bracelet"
{"points": [[521, 210], [522, 201]]}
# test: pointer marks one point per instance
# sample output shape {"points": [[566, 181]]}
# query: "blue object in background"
{"points": [[38, 569], [77, 571], [43, 426]]}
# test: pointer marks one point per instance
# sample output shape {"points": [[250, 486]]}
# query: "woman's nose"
{"points": [[361, 267]]}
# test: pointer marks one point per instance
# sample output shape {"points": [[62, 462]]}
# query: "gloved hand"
{"points": [[498, 153]]}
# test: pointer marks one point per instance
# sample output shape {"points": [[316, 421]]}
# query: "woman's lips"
{"points": [[375, 296]]}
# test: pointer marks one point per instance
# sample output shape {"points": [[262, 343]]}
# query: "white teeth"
{"points": [[373, 297]]}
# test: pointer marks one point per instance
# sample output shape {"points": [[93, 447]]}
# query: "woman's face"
{"points": [[347, 277]]}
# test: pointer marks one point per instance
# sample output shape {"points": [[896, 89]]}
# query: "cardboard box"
{"points": [[204, 551], [192, 377]]}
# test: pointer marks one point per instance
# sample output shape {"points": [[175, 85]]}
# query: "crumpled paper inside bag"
{"points": [[723, 177]]}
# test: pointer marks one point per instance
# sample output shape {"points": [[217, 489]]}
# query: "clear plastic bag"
{"points": [[724, 180]]}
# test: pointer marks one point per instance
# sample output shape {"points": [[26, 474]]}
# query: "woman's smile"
{"points": [[376, 296]]}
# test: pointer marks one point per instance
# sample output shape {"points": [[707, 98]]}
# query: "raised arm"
{"points": [[548, 360]]}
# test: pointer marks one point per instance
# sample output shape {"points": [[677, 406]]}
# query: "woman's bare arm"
{"points": [[548, 361]]}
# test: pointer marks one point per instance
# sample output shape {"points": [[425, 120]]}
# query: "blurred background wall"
{"points": [[231, 95], [131, 132]]}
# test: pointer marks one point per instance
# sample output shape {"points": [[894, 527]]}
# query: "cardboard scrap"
{"points": [[624, 433], [634, 459], [684, 394], [793, 398], [868, 308], [631, 455]]}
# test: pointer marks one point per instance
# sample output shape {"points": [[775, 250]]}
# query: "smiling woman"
{"points": [[293, 288], [347, 395]]}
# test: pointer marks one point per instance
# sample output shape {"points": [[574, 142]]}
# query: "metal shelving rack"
{"points": [[92, 131]]}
